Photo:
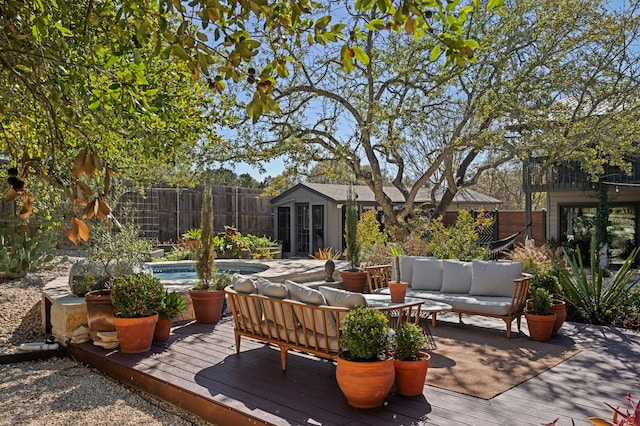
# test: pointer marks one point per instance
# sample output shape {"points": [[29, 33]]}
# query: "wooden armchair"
{"points": [[377, 276]]}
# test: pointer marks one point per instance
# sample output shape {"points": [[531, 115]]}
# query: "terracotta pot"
{"points": [[540, 326], [559, 308], [100, 312], [398, 291], [207, 305], [135, 334], [354, 281], [365, 384], [162, 331], [411, 375]]}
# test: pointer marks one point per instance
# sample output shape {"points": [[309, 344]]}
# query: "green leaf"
{"points": [[435, 53], [112, 60], [177, 50], [375, 24], [322, 22], [63, 30], [361, 55], [94, 105], [493, 4], [347, 61]]}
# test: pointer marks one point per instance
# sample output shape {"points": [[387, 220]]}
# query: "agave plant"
{"points": [[590, 293]]}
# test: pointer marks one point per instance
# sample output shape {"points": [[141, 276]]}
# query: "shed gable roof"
{"points": [[338, 193]]}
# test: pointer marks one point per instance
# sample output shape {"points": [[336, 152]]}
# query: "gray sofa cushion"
{"points": [[456, 276], [494, 278], [406, 267], [342, 298], [311, 319], [427, 274], [243, 284], [465, 302], [305, 294], [269, 289]]}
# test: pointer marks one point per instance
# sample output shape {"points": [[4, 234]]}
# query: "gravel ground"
{"points": [[62, 391]]}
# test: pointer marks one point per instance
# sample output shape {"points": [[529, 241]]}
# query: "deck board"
{"points": [[198, 369]]}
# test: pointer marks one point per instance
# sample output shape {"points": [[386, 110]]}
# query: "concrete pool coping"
{"points": [[279, 270]]}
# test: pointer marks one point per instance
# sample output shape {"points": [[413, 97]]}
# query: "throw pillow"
{"points": [[342, 298], [456, 276], [494, 278], [304, 294], [269, 289], [243, 284], [312, 319], [427, 274]]}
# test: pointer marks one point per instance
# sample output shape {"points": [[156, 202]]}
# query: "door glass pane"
{"points": [[284, 228], [318, 227], [302, 228]]}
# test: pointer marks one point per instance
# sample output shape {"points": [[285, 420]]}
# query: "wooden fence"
{"points": [[510, 222], [165, 213]]}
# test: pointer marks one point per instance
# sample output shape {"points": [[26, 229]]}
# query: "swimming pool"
{"points": [[183, 271]]}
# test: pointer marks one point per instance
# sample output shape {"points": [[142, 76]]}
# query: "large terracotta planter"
{"points": [[354, 281], [135, 334], [411, 375], [100, 312], [207, 305], [162, 330], [398, 291], [559, 308], [540, 326], [365, 384]]}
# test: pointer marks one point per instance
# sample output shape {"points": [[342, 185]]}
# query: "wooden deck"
{"points": [[198, 369]]}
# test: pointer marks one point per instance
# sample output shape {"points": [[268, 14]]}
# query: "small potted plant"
{"points": [[365, 371], [136, 298], [411, 362], [397, 288], [540, 319], [354, 278], [172, 305], [548, 280]]}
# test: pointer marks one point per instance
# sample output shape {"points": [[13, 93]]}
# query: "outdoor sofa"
{"points": [[486, 288], [293, 316]]}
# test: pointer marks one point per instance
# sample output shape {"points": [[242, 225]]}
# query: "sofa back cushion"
{"points": [[243, 284], [275, 312], [269, 289], [342, 298], [308, 317], [494, 278], [456, 276], [427, 274], [406, 267]]}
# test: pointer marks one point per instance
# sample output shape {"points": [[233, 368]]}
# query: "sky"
{"points": [[273, 168]]}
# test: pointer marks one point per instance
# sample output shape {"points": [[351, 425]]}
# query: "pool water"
{"points": [[188, 272]]}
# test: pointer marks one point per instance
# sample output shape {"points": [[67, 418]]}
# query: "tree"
{"points": [[426, 123], [134, 80]]}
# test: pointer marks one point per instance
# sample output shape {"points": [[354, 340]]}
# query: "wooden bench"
{"points": [[290, 324]]}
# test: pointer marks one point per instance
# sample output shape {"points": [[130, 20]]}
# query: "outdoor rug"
{"points": [[483, 363]]}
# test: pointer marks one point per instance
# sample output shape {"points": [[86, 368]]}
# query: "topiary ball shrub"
{"points": [[365, 334], [137, 295]]}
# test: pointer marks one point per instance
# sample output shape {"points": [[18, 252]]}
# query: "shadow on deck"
{"points": [[197, 369]]}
